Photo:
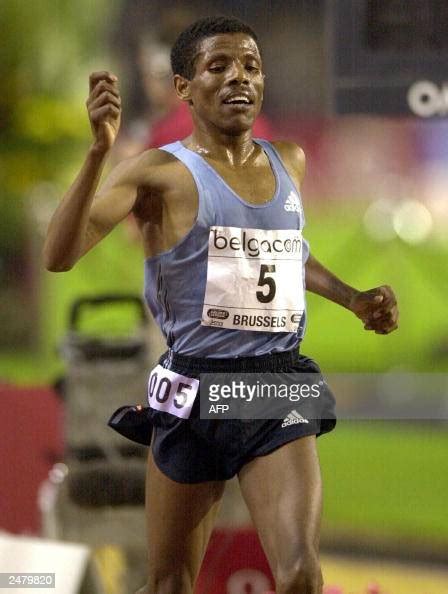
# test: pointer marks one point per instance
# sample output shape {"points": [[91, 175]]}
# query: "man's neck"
{"points": [[216, 145]]}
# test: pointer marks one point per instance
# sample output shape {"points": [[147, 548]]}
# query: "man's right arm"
{"points": [[83, 217]]}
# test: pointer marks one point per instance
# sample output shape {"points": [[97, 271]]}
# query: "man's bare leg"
{"points": [[180, 519], [284, 494]]}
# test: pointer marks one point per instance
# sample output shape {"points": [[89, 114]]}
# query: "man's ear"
{"points": [[182, 86]]}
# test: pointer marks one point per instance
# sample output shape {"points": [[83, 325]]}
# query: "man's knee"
{"points": [[304, 575]]}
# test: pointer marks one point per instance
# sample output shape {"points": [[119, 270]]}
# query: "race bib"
{"points": [[254, 280], [171, 392]]}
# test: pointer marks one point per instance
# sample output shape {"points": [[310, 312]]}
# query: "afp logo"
{"points": [[427, 100]]}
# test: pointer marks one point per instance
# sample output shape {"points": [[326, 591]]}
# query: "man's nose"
{"points": [[238, 73]]}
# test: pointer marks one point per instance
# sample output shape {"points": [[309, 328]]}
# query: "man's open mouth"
{"points": [[238, 100]]}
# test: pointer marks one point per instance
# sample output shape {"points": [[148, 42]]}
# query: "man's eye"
{"points": [[252, 68], [217, 68]]}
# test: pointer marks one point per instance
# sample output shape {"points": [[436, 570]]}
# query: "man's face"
{"points": [[227, 86]]}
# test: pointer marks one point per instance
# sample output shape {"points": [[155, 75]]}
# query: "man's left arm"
{"points": [[377, 308]]}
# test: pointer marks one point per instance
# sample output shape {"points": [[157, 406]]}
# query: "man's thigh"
{"points": [[284, 494], [180, 518]]}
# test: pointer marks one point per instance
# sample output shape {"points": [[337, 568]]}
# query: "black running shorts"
{"points": [[197, 450]]}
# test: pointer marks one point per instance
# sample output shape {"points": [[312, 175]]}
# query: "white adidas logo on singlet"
{"points": [[293, 418], [292, 203]]}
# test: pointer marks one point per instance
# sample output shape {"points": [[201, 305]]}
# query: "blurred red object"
{"points": [[235, 564], [31, 441]]}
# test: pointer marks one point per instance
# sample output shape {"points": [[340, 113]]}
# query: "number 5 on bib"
{"points": [[254, 279]]}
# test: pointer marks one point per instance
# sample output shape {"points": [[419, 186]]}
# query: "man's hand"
{"points": [[104, 107], [377, 308]]}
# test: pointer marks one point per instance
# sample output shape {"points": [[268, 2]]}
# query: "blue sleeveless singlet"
{"points": [[176, 280]]}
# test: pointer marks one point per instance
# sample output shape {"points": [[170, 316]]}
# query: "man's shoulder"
{"points": [[152, 158], [289, 149], [292, 155], [141, 168]]}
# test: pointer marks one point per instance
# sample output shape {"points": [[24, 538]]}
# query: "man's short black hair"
{"points": [[185, 47]]}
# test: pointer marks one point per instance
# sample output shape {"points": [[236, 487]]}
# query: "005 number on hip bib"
{"points": [[254, 279], [172, 392]]}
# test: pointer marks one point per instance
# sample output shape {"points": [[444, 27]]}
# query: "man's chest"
{"points": [[255, 185]]}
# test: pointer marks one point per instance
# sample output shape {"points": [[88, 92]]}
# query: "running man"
{"points": [[217, 193]]}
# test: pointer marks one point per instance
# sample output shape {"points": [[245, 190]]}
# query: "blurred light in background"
{"points": [[378, 220], [412, 221]]}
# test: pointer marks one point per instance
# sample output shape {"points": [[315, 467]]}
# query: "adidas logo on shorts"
{"points": [[293, 418], [292, 203]]}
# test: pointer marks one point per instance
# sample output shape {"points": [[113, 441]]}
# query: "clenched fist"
{"points": [[377, 308], [104, 107]]}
